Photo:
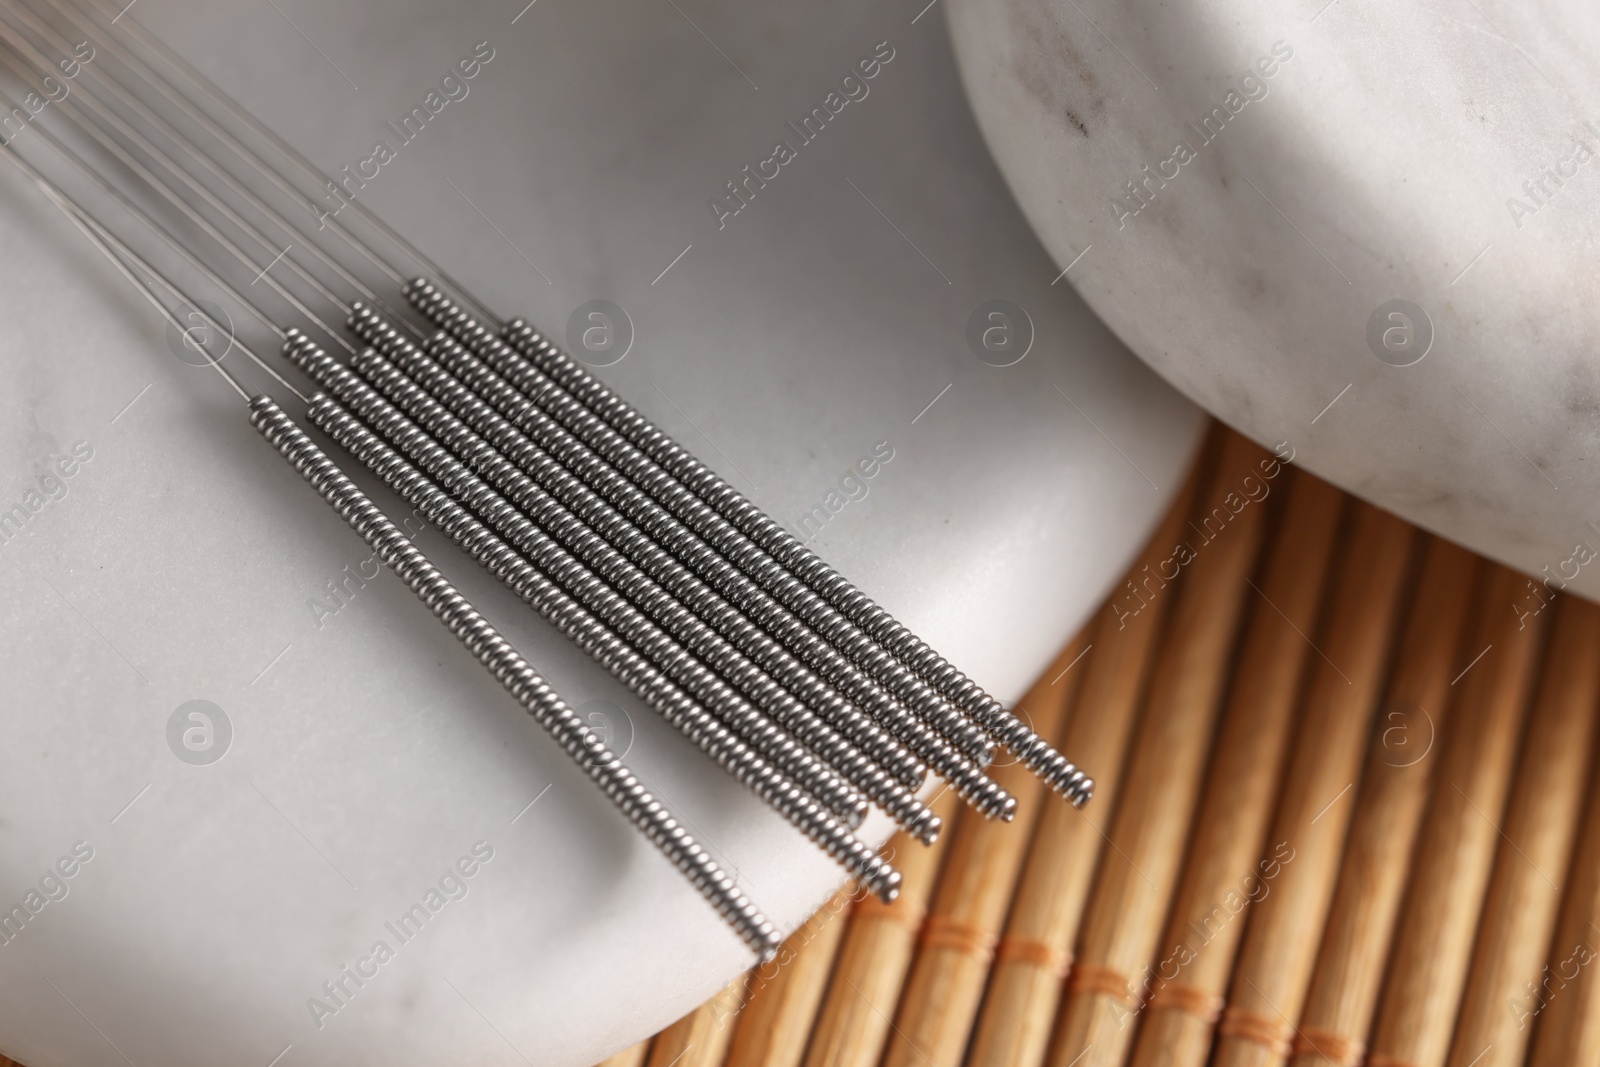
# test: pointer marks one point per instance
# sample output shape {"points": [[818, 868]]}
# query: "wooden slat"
{"points": [[784, 994], [1460, 835], [632, 1056], [1134, 883], [700, 1039], [1566, 1026], [1519, 914], [1274, 967], [941, 997], [1401, 757], [1230, 863], [853, 1024], [1032, 957]]}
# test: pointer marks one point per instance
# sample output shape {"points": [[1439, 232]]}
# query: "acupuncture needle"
{"points": [[148, 221], [18, 45], [818, 777], [197, 113], [654, 500], [539, 484], [531, 460], [269, 211], [492, 650], [546, 533], [149, 148], [777, 560], [205, 86], [997, 721], [797, 804], [914, 812]]}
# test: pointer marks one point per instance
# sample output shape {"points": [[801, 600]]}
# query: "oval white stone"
{"points": [[1367, 230]]}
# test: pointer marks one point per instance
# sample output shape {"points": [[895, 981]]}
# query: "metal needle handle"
{"points": [[515, 674]]}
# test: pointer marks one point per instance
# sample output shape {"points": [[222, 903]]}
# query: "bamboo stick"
{"points": [[878, 945], [1401, 758], [632, 1056], [1229, 862], [1032, 957], [1567, 1030], [1280, 944], [1450, 872], [700, 1039], [784, 994], [1134, 883], [947, 978], [1058, 858], [954, 962], [1506, 989]]}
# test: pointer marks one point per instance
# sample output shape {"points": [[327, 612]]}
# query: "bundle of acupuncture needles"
{"points": [[725, 625]]}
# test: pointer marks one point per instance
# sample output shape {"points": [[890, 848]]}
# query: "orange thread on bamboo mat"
{"points": [[1202, 1004], [1037, 953], [1380, 1060], [1094, 978], [1335, 1048], [903, 911], [1257, 1029], [944, 932]]}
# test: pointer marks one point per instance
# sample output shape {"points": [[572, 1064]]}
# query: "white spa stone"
{"points": [[368, 753], [1439, 153]]}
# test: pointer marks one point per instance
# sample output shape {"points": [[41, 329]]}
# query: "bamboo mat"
{"points": [[1344, 816]]}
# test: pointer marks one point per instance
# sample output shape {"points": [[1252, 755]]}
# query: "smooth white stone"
{"points": [[1379, 165], [374, 753]]}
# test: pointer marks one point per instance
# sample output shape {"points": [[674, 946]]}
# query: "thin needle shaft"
{"points": [[90, 231], [209, 90], [24, 49], [192, 151], [147, 220], [163, 85], [70, 112], [106, 241]]}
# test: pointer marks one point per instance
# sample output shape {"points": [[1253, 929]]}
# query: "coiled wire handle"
{"points": [[479, 455], [536, 482], [644, 491], [966, 776], [535, 531], [629, 636], [782, 548], [515, 674], [632, 669]]}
